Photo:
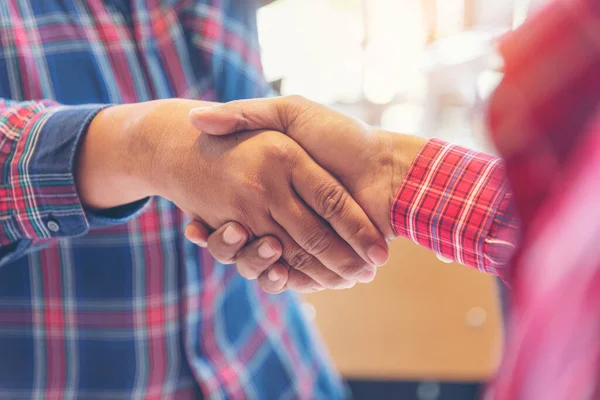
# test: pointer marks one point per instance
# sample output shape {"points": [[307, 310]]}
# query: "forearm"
{"points": [[66, 169], [108, 173]]}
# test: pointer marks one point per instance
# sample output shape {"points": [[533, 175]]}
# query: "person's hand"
{"points": [[370, 163], [263, 180], [259, 258]]}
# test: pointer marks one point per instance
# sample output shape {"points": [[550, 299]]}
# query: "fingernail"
{"points": [[378, 255], [265, 251], [196, 241], [349, 285], [444, 259], [189, 234], [201, 110], [200, 243], [367, 276], [231, 235], [273, 275]]}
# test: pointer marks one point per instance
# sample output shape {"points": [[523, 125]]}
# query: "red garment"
{"points": [[545, 121]]}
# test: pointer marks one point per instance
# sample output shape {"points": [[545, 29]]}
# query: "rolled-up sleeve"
{"points": [[457, 203]]}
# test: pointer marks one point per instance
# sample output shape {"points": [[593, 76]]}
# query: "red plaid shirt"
{"points": [[545, 122]]}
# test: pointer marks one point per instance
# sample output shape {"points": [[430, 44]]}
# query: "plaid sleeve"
{"points": [[38, 197], [456, 202]]}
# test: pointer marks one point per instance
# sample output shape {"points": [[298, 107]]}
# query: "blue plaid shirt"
{"points": [[120, 305]]}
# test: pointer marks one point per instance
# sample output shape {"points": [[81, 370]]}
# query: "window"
{"points": [[414, 66]]}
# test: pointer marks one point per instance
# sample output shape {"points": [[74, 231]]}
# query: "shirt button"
{"points": [[444, 259], [53, 226]]}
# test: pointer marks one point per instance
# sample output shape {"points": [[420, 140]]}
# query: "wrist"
{"points": [[134, 151], [387, 159], [162, 138], [108, 173], [403, 151]]}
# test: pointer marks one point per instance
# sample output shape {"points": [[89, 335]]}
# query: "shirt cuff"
{"points": [[117, 215], [46, 203], [456, 202]]}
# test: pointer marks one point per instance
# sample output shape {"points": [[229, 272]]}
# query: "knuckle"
{"points": [[293, 107], [351, 271], [241, 209], [219, 250], [332, 200], [246, 272], [221, 256], [241, 122], [300, 283], [300, 261], [257, 264], [355, 231], [335, 282], [249, 210], [260, 192], [279, 151], [295, 99], [239, 115], [318, 242]]}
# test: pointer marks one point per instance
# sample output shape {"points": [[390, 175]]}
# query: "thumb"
{"points": [[240, 115]]}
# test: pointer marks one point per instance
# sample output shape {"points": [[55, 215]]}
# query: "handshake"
{"points": [[296, 194]]}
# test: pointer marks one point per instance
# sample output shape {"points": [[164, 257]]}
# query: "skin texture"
{"points": [[370, 163], [264, 180]]}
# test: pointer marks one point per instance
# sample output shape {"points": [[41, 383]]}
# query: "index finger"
{"points": [[328, 198]]}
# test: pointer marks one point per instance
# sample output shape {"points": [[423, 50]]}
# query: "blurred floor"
{"points": [[388, 390]]}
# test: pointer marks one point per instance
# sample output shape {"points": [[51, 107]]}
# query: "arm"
{"points": [[449, 199], [39, 200], [65, 170], [69, 167]]}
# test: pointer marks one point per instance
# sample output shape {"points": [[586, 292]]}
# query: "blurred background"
{"points": [[424, 329]]}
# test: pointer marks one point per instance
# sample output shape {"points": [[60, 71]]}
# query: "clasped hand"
{"points": [[306, 191], [269, 185], [370, 164]]}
